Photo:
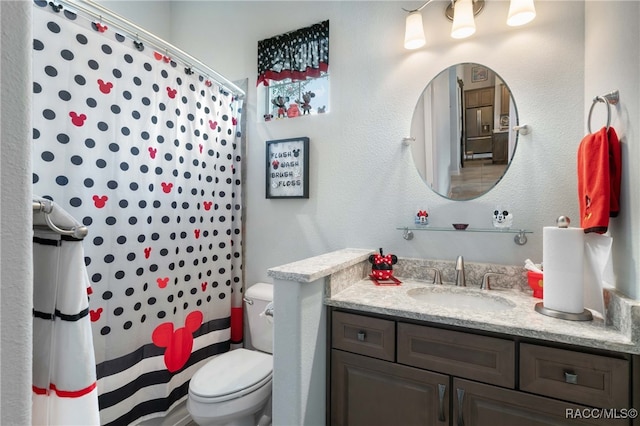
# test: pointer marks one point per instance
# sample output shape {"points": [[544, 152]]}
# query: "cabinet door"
{"points": [[505, 98], [478, 97], [478, 404], [370, 392], [500, 148]]}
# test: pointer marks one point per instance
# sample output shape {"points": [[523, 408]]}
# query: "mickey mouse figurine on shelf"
{"points": [[382, 266], [422, 217], [502, 218], [280, 102]]}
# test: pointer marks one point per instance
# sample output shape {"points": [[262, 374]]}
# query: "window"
{"points": [[311, 96]]}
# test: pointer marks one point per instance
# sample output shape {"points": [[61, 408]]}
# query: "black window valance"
{"points": [[296, 55]]}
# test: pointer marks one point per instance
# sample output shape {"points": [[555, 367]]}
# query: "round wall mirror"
{"points": [[463, 129]]}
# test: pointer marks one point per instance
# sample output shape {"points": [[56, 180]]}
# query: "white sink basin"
{"points": [[460, 298]]}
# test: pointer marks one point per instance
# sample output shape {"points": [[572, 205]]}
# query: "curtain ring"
{"points": [[595, 101]]}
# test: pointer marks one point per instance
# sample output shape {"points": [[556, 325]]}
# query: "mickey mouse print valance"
{"points": [[296, 55]]}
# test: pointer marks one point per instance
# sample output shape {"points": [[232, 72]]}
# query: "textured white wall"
{"points": [[612, 61], [15, 195], [363, 183]]}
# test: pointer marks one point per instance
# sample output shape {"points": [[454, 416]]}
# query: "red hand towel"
{"points": [[615, 172], [599, 179]]}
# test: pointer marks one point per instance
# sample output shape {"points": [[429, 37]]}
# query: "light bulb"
{"points": [[414, 32], [463, 23], [521, 12]]}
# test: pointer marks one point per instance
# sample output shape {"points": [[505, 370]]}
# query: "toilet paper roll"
{"points": [[563, 260]]}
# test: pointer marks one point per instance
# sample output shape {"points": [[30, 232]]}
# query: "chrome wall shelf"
{"points": [[520, 237]]}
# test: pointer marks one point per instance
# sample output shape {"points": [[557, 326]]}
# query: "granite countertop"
{"points": [[520, 320], [313, 268]]}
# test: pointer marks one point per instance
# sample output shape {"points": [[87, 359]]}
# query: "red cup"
{"points": [[536, 283]]}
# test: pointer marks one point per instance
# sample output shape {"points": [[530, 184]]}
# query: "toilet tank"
{"points": [[259, 296]]}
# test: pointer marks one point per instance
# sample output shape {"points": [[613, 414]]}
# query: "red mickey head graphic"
{"points": [[105, 87], [234, 121], [207, 83], [160, 57], [166, 187], [204, 286], [98, 26], [213, 124], [171, 92], [100, 202], [147, 252], [196, 232], [200, 146], [162, 282], [179, 343], [77, 120], [95, 315], [207, 205], [152, 152]]}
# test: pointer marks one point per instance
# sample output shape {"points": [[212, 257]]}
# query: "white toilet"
{"points": [[232, 387]]}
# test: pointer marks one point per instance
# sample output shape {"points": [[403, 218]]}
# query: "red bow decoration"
{"points": [[422, 213]]}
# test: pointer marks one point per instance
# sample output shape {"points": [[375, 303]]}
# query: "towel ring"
{"points": [[608, 99]]}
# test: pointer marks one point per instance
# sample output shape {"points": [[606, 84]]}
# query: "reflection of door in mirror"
{"points": [[462, 129]]}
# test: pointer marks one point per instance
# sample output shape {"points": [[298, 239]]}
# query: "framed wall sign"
{"points": [[287, 168]]}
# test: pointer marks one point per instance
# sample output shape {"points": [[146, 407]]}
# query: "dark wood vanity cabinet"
{"points": [[388, 372]]}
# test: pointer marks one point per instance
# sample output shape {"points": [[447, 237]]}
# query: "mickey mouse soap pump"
{"points": [[382, 265]]}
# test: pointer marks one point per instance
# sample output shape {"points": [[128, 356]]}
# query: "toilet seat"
{"points": [[231, 375]]}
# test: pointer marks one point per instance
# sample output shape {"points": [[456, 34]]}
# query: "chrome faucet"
{"points": [[437, 276], [486, 284], [460, 280]]}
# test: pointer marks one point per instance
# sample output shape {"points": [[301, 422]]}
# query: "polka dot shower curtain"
{"points": [[146, 154]]}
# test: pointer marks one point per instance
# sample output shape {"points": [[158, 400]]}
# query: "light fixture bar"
{"points": [[420, 8]]}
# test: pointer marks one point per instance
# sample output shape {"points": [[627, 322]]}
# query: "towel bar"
{"points": [[609, 99]]}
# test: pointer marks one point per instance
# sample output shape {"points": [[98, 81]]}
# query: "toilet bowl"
{"points": [[231, 388]]}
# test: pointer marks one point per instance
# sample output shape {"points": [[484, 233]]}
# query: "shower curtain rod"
{"points": [[46, 207], [137, 33]]}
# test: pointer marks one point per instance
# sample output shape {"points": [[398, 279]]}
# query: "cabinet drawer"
{"points": [[364, 335], [486, 359], [589, 379]]}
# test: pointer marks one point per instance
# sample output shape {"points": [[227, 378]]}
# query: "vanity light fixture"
{"points": [[462, 13]]}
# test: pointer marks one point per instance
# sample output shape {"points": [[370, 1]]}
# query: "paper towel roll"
{"points": [[563, 260]]}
